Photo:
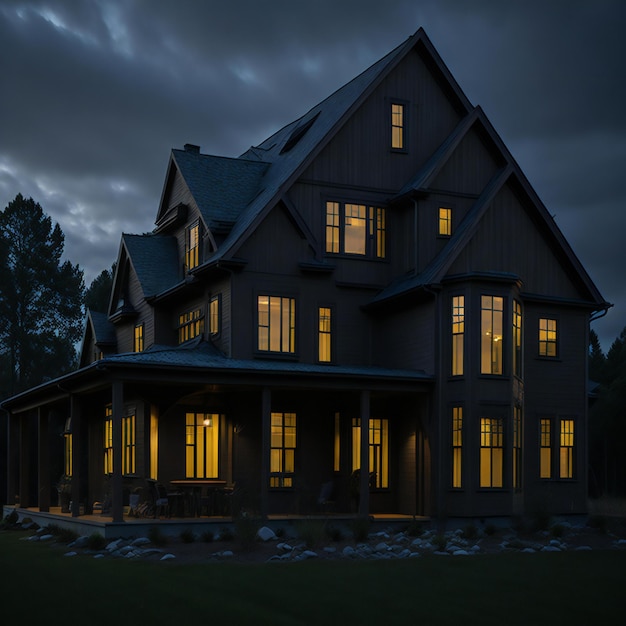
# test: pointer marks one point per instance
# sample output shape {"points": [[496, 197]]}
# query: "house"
{"points": [[373, 303]]}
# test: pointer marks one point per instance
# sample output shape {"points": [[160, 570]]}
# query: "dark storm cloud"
{"points": [[96, 93]]}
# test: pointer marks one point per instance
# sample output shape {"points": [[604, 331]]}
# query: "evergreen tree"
{"points": [[98, 293], [596, 358], [40, 298]]}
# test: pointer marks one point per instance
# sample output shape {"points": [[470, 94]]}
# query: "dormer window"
{"points": [[398, 127], [445, 222], [192, 246]]}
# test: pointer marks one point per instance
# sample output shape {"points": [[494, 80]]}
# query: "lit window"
{"points": [[545, 448], [201, 445], [128, 443], [276, 324], [378, 450], [190, 325], [324, 335], [214, 315], [282, 449], [517, 339], [458, 334], [457, 446], [67, 441], [192, 246], [337, 444], [397, 126], [138, 340], [566, 449], [355, 229], [491, 452], [445, 222], [491, 335], [547, 337], [517, 447]]}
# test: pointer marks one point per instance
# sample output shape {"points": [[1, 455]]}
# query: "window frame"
{"points": [[215, 315], [374, 229], [457, 364], [192, 252], [444, 224], [129, 442], [286, 330], [457, 447], [550, 338], [325, 336], [489, 337], [190, 325], [517, 342], [378, 449], [202, 455], [567, 448], [138, 338], [545, 448], [396, 129], [282, 455], [492, 452]]}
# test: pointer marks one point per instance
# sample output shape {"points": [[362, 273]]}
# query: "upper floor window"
{"points": [[138, 338], [282, 449], [355, 229], [517, 339], [214, 315], [445, 222], [276, 324], [547, 337], [397, 127], [458, 334], [192, 246], [324, 334], [190, 325], [201, 445], [491, 334]]}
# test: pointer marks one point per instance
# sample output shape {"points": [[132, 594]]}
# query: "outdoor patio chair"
{"points": [[160, 500]]}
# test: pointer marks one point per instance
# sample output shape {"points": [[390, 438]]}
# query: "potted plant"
{"points": [[64, 489]]}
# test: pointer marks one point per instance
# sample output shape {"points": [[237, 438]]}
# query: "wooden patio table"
{"points": [[194, 489]]}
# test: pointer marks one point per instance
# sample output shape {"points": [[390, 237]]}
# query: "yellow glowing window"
{"points": [[337, 444], [458, 334], [276, 324], [138, 338], [566, 449], [378, 450], [517, 338], [445, 221], [214, 315], [332, 227], [190, 325], [67, 441], [547, 337], [457, 446], [545, 448], [397, 126], [355, 229], [192, 246], [201, 445], [517, 447], [491, 334], [154, 442], [324, 335], [491, 452], [282, 449], [128, 443]]}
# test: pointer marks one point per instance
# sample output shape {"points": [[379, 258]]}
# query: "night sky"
{"points": [[94, 95]]}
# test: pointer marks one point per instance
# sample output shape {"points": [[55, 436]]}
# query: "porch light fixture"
{"points": [[208, 422]]}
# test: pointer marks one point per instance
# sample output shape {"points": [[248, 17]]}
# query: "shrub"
{"points": [[65, 535], [440, 541], [96, 541], [311, 531], [469, 532], [187, 536], [360, 528], [156, 536], [246, 528]]}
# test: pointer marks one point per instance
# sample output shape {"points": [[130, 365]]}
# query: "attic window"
{"points": [[297, 134]]}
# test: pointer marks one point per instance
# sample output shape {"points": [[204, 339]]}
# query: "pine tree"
{"points": [[40, 298], [98, 293]]}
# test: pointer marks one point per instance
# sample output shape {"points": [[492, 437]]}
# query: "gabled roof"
{"points": [[103, 330]]}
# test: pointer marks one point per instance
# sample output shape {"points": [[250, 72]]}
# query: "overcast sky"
{"points": [[95, 93]]}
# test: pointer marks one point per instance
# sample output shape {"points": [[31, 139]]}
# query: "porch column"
{"points": [[44, 460], [117, 501], [24, 456], [13, 457], [77, 444], [364, 487], [266, 426]]}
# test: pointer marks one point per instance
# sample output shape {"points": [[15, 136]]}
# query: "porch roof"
{"points": [[200, 361]]}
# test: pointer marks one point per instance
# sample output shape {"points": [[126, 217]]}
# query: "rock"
{"points": [[330, 549], [140, 541], [381, 547], [528, 551], [475, 548], [168, 557], [32, 538], [349, 551], [460, 553], [70, 553], [98, 556], [46, 537], [81, 542], [550, 548], [114, 545], [265, 534], [227, 554]]}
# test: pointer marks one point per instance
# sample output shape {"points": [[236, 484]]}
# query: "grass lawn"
{"points": [[39, 585]]}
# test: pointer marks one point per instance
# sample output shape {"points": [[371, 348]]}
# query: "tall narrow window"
{"points": [[324, 335], [201, 445], [517, 339], [67, 441], [192, 246], [517, 447], [458, 334], [337, 444], [190, 325], [276, 324], [457, 446], [545, 448], [397, 126], [128, 443], [138, 339], [491, 452], [491, 334], [566, 449], [282, 449], [378, 450], [445, 222], [356, 229], [214, 315], [547, 337]]}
